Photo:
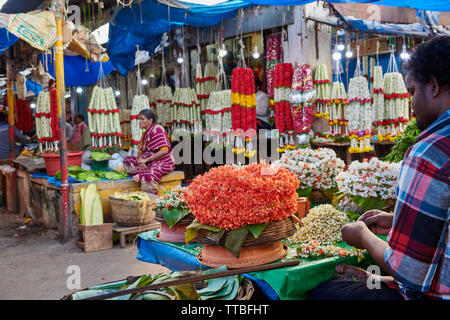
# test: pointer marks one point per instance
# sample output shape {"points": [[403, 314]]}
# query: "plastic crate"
{"points": [[100, 165]]}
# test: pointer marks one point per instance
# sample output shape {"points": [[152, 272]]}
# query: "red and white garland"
{"points": [[337, 117], [140, 102], [104, 119], [186, 112], [46, 121], [218, 126], [164, 99]]}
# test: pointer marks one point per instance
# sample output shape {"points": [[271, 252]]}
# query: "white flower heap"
{"points": [[374, 179], [323, 224], [359, 112], [172, 198], [140, 102], [104, 119], [218, 125], [314, 168], [186, 112], [396, 99], [322, 84]]}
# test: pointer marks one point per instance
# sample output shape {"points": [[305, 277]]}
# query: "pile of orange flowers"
{"points": [[230, 197]]}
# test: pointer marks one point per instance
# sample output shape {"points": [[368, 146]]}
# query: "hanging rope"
{"points": [[241, 62]]}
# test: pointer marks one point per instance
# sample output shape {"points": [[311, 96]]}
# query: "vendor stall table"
{"points": [[123, 231], [342, 152], [382, 149], [291, 283]]}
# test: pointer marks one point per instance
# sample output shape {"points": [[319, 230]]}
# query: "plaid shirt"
{"points": [[418, 245]]}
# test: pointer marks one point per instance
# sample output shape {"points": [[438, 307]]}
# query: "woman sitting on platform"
{"points": [[154, 158]]}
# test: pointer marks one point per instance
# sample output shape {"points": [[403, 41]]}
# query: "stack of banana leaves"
{"points": [[224, 288], [81, 174]]}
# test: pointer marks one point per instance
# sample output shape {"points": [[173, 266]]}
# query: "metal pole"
{"points": [[58, 8], [11, 121]]}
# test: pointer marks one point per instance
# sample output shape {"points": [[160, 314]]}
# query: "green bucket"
{"points": [[100, 165]]}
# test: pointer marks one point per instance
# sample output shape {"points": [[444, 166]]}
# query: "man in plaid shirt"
{"points": [[416, 255]]}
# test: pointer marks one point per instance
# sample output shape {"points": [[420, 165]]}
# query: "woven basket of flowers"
{"points": [[241, 214], [173, 214]]}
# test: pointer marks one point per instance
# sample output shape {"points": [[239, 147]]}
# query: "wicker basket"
{"points": [[131, 213], [275, 231]]}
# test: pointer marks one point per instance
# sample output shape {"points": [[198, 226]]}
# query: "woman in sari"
{"points": [[154, 158]]}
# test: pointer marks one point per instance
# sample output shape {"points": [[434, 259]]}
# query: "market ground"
{"points": [[34, 263]]}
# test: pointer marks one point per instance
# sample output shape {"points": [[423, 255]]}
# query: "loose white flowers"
{"points": [[375, 179], [323, 224], [314, 168]]}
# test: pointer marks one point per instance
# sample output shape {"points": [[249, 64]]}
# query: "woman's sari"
{"points": [[153, 140]]}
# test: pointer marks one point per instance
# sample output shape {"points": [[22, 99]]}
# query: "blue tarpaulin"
{"points": [[143, 25], [79, 71], [7, 39]]}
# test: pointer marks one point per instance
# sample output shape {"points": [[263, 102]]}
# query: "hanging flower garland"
{"points": [[140, 102], [186, 112], [379, 105], [396, 99], [104, 120], [43, 121], [359, 115], [283, 109], [152, 98], [206, 84], [218, 124], [231, 197], [302, 100], [164, 99], [274, 55], [243, 108], [322, 85], [338, 100]]}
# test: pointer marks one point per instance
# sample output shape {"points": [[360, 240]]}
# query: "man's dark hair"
{"points": [[431, 58], [147, 113]]}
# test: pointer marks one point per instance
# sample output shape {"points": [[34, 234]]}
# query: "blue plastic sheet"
{"points": [[7, 39], [172, 257], [79, 71], [144, 24], [55, 182]]}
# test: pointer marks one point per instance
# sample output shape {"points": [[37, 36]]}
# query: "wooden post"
{"points": [[11, 121], [58, 7]]}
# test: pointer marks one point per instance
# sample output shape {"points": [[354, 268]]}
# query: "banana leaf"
{"points": [[216, 236], [224, 288], [368, 203], [235, 240], [256, 229], [100, 156], [173, 215], [191, 230]]}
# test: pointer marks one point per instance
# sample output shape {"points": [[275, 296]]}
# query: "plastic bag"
{"points": [[116, 163]]}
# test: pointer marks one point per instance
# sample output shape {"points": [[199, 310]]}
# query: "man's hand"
{"points": [[353, 234], [377, 221]]}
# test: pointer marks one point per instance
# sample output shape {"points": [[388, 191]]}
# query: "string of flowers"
{"points": [[283, 110], [337, 118], [243, 109], [374, 178], [206, 84], [359, 115], [164, 99], [186, 112], [302, 100], [104, 119], [379, 105], [152, 98], [396, 99], [231, 197], [322, 85], [313, 249], [140, 102], [274, 55], [218, 124], [316, 168], [43, 116]]}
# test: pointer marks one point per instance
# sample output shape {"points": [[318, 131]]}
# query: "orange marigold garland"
{"points": [[230, 197]]}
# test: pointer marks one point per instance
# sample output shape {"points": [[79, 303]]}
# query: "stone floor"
{"points": [[35, 264]]}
